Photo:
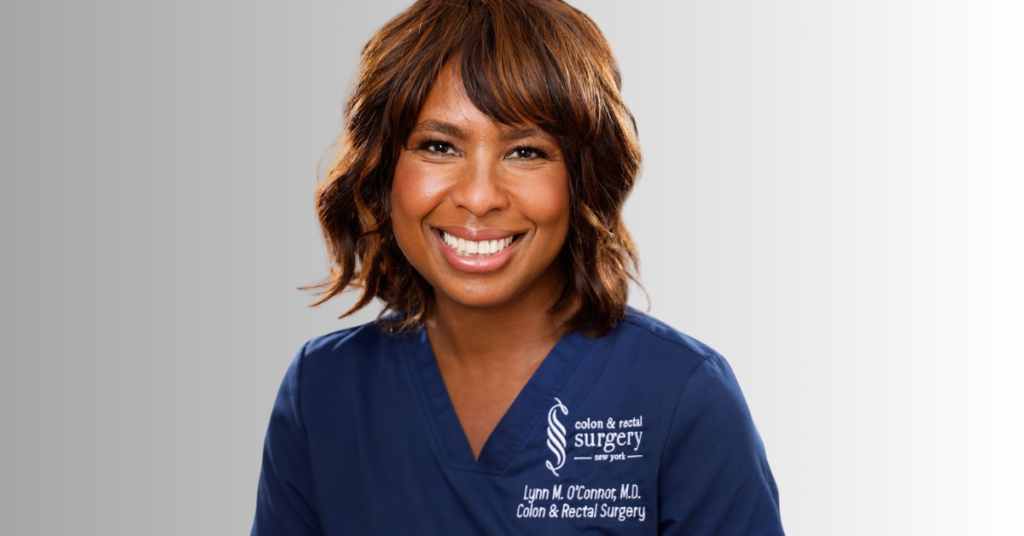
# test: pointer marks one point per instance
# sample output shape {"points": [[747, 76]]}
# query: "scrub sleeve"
{"points": [[285, 502], [714, 477]]}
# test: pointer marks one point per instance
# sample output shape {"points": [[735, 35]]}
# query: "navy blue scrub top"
{"points": [[642, 431]]}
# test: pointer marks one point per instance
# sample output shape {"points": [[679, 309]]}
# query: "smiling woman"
{"points": [[477, 191], [464, 181], [544, 74]]}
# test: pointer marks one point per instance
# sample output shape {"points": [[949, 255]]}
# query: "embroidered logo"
{"points": [[556, 437]]}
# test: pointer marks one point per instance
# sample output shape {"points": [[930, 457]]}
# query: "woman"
{"points": [[507, 388]]}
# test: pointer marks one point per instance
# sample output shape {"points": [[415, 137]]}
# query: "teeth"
{"points": [[483, 248]]}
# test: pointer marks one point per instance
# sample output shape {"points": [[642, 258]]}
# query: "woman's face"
{"points": [[479, 208]]}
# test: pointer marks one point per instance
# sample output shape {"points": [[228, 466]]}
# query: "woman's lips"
{"points": [[476, 251], [475, 234]]}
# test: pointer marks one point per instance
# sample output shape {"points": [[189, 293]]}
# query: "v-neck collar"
{"points": [[526, 410]]}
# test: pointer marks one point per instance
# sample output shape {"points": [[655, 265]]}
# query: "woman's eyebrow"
{"points": [[449, 129], [520, 133], [440, 127]]}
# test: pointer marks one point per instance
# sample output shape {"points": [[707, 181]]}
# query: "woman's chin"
{"points": [[526, 292], [480, 299]]}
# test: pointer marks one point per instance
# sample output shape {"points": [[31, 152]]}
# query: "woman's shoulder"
{"points": [[348, 341], [664, 361], [347, 350], [658, 339], [714, 475]]}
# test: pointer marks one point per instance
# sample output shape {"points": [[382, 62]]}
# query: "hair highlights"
{"points": [[521, 61]]}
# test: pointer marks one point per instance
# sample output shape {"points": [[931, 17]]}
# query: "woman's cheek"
{"points": [[546, 202], [429, 182], [408, 207]]}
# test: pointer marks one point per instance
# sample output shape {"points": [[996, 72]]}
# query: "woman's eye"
{"points": [[439, 147], [526, 152]]}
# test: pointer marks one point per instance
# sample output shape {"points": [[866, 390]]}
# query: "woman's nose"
{"points": [[479, 188]]}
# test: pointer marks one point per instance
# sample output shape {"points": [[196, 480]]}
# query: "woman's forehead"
{"points": [[449, 110]]}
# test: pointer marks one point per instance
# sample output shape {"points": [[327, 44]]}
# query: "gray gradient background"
{"points": [[831, 198]]}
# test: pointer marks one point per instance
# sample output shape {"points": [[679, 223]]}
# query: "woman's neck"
{"points": [[508, 336]]}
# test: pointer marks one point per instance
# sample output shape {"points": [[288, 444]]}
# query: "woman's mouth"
{"points": [[491, 252], [475, 248]]}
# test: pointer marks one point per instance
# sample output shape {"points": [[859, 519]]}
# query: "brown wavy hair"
{"points": [[521, 61]]}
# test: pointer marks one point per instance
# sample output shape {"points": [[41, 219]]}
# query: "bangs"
{"points": [[516, 72], [520, 62]]}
